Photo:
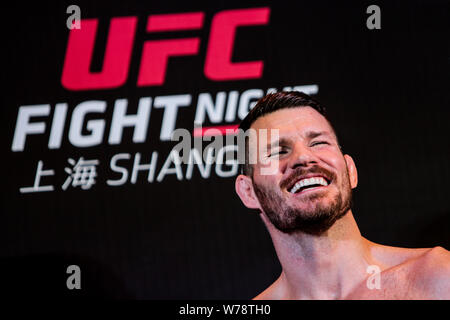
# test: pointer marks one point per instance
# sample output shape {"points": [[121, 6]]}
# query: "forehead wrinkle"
{"points": [[288, 136]]}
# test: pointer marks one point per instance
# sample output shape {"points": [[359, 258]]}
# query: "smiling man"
{"points": [[305, 203]]}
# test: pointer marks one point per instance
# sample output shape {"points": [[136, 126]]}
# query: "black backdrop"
{"points": [[386, 91]]}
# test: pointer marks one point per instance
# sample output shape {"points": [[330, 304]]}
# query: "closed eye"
{"points": [[278, 152], [315, 143]]}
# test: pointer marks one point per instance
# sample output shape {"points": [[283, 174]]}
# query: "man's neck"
{"points": [[328, 266]]}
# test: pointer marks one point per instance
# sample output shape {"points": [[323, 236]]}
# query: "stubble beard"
{"points": [[313, 221]]}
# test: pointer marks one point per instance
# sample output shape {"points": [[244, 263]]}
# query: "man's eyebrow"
{"points": [[309, 135], [278, 142], [314, 134]]}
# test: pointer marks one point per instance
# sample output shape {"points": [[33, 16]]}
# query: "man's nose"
{"points": [[302, 156]]}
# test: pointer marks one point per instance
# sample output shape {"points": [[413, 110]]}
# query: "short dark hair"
{"points": [[271, 103]]}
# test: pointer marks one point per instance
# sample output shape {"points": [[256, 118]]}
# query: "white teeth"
{"points": [[308, 182]]}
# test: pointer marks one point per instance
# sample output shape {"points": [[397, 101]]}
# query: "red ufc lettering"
{"points": [[76, 74], [155, 55], [218, 65]]}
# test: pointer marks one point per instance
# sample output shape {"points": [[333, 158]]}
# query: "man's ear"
{"points": [[244, 189], [352, 172]]}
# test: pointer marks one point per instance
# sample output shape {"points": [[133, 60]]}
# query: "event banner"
{"points": [[120, 145]]}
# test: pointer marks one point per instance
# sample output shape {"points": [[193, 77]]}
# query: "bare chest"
{"points": [[390, 286]]}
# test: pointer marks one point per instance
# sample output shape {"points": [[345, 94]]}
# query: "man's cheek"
{"points": [[269, 168]]}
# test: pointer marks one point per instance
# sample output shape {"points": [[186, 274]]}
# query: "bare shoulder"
{"points": [[430, 273], [438, 256], [422, 273], [433, 269]]}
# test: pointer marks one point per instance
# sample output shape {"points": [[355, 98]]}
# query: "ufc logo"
{"points": [[156, 53]]}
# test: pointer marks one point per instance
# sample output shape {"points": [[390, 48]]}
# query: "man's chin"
{"points": [[313, 207], [312, 219]]}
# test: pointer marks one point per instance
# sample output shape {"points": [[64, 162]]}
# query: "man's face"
{"points": [[309, 187]]}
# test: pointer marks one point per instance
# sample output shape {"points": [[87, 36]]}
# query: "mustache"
{"points": [[300, 171]]}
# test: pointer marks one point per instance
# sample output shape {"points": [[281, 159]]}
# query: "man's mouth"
{"points": [[308, 183]]}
